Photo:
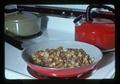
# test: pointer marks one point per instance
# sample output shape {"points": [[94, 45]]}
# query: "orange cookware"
{"points": [[99, 32]]}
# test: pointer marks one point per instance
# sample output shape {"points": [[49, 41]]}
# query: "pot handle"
{"points": [[89, 8], [78, 18]]}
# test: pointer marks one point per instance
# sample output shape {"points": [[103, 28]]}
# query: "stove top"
{"points": [[63, 29], [14, 62]]}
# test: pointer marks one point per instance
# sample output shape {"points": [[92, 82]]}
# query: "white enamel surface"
{"points": [[13, 75]]}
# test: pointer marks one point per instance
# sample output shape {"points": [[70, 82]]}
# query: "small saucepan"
{"points": [[22, 24]]}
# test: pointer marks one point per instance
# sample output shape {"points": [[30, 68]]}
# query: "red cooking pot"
{"points": [[99, 32]]}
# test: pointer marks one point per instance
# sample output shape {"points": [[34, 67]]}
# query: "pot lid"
{"points": [[20, 17]]}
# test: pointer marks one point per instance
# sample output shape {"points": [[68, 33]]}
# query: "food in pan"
{"points": [[61, 58]]}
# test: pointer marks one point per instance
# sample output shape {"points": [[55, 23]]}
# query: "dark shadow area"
{"points": [[44, 22], [104, 61]]}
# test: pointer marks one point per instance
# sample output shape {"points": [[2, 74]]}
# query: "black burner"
{"points": [[17, 41]]}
